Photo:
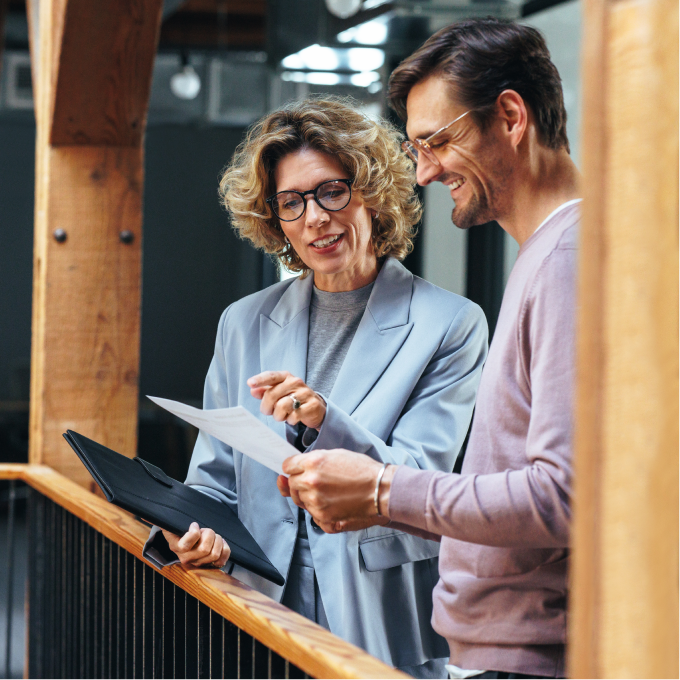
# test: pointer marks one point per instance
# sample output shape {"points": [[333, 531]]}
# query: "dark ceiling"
{"points": [[281, 27]]}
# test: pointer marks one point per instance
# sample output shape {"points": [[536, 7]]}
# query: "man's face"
{"points": [[473, 164]]}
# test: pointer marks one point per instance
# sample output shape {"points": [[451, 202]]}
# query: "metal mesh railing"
{"points": [[97, 611], [12, 576]]}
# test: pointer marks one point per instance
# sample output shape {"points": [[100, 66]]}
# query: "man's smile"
{"points": [[455, 184]]}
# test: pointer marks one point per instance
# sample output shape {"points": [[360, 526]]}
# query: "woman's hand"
{"points": [[199, 547], [279, 391]]}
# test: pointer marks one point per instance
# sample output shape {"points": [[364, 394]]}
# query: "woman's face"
{"points": [[336, 246]]}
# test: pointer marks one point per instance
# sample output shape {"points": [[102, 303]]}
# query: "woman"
{"points": [[355, 353]]}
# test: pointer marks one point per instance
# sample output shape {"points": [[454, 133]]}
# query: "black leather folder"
{"points": [[145, 490]]}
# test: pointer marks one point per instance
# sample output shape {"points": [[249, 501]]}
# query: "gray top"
{"points": [[333, 321]]}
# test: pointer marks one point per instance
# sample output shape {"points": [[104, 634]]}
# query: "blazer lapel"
{"points": [[283, 341], [284, 333], [381, 333]]}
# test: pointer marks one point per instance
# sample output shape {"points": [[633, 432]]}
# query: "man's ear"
{"points": [[514, 116]]}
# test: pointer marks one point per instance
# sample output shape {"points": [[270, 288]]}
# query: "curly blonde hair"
{"points": [[368, 151]]}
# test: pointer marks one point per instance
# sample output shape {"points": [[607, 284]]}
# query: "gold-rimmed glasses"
{"points": [[427, 146]]}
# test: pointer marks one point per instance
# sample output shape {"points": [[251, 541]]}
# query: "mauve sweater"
{"points": [[504, 521]]}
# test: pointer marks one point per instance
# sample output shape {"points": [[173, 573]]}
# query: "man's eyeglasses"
{"points": [[332, 195], [427, 146]]}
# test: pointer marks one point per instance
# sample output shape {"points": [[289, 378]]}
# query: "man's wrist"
{"points": [[384, 491]]}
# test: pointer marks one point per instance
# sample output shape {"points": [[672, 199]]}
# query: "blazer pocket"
{"points": [[395, 549]]}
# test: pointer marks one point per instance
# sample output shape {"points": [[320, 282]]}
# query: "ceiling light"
{"points": [[369, 33], [364, 79], [323, 78], [293, 61], [315, 78], [365, 58], [294, 76], [313, 57]]}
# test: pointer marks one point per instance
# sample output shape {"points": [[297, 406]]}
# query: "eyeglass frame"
{"points": [[424, 144], [302, 195]]}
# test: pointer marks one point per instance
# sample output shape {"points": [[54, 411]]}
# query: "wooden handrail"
{"points": [[304, 643]]}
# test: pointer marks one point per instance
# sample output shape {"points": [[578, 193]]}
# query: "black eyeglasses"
{"points": [[332, 195]]}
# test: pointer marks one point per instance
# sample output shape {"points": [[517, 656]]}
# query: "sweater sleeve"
{"points": [[527, 506]]}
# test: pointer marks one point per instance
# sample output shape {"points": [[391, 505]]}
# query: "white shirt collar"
{"points": [[558, 210]]}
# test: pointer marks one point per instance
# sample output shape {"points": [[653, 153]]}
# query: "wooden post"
{"points": [[92, 77], [624, 598]]}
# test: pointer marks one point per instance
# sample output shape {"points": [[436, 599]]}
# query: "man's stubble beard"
{"points": [[476, 212], [485, 207]]}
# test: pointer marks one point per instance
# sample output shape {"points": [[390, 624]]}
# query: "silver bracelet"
{"points": [[377, 487]]}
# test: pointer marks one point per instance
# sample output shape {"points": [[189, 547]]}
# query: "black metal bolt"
{"points": [[127, 237], [59, 235]]}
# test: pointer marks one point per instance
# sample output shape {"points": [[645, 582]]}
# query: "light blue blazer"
{"points": [[404, 395]]}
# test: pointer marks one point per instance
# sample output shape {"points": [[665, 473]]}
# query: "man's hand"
{"points": [[279, 391], [199, 547], [337, 488]]}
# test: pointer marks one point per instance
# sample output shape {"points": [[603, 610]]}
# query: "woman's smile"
{"points": [[327, 244]]}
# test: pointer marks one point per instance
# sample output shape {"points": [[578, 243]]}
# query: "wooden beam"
{"points": [[624, 597], [91, 91]]}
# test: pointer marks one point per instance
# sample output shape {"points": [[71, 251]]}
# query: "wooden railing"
{"points": [[81, 526]]}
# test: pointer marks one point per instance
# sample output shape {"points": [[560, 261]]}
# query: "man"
{"points": [[484, 110]]}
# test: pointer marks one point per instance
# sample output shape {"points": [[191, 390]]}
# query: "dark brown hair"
{"points": [[482, 57]]}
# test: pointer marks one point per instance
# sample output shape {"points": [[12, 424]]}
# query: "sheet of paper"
{"points": [[238, 428]]}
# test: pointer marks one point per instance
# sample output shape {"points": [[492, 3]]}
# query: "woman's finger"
{"points": [[224, 557], [205, 553], [189, 540], [290, 386], [267, 379], [311, 413], [283, 409], [216, 553]]}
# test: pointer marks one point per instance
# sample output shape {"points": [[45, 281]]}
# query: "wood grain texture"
{"points": [[91, 84], [103, 64], [13, 470], [87, 304], [624, 620], [309, 646]]}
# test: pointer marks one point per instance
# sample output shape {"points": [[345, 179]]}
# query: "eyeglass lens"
{"points": [[412, 151], [334, 195]]}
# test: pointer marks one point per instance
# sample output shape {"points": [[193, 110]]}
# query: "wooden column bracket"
{"points": [[92, 69], [624, 599]]}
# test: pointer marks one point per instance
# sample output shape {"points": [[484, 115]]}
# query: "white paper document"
{"points": [[238, 428]]}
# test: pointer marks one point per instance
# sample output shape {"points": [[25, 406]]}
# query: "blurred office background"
{"points": [[221, 65]]}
